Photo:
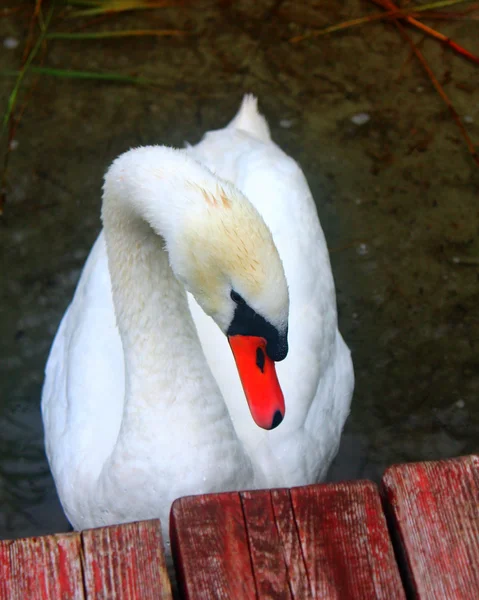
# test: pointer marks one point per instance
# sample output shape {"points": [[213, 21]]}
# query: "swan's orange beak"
{"points": [[258, 376]]}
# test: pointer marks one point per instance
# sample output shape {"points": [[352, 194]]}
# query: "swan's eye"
{"points": [[236, 298]]}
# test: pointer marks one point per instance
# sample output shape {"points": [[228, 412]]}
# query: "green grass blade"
{"points": [[115, 6], [81, 2], [100, 35], [434, 5], [21, 73], [72, 74]]}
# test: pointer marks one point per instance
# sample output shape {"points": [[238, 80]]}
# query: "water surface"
{"points": [[396, 191]]}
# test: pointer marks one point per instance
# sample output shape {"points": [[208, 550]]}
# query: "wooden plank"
{"points": [[325, 542], [125, 562], [345, 542], [434, 507], [44, 568], [210, 548]]}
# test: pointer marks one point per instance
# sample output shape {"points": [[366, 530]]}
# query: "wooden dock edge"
{"points": [[417, 535], [324, 541]]}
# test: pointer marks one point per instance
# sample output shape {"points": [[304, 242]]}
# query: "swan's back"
{"points": [[250, 120]]}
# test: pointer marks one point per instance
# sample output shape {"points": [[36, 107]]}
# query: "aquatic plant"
{"points": [[80, 18], [409, 16], [39, 33]]}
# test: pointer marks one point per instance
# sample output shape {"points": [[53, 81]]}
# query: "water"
{"points": [[397, 195]]}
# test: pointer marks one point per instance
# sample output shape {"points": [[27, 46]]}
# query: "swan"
{"points": [[201, 350]]}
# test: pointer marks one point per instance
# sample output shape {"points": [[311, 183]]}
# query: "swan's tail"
{"points": [[250, 120]]}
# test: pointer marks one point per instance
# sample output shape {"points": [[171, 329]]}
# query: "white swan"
{"points": [[139, 405]]}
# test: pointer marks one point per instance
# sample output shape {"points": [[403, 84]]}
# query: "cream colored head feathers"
{"points": [[227, 246], [216, 240]]}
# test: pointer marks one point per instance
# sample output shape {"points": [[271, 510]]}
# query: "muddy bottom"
{"points": [[396, 190]]}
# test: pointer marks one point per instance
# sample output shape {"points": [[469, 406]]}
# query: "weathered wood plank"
{"points": [[434, 507], [345, 542], [288, 533], [210, 548], [125, 562], [44, 568], [266, 550]]}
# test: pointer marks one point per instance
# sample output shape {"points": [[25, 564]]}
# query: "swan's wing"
{"points": [[82, 398], [330, 408]]}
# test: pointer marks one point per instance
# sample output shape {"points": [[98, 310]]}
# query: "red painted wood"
{"points": [[210, 548], [434, 507], [345, 542], [41, 568], [267, 557], [322, 542], [125, 562], [288, 534]]}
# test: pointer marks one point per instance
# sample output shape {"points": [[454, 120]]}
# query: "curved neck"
{"points": [[143, 206]]}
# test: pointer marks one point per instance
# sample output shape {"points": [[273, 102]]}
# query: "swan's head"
{"points": [[225, 256]]}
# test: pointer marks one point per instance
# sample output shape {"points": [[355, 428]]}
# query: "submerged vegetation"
{"points": [[74, 14]]}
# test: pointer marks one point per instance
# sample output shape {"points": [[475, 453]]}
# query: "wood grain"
{"points": [[345, 542], [210, 548], [322, 542], [266, 550], [434, 507], [41, 568], [125, 562], [293, 555]]}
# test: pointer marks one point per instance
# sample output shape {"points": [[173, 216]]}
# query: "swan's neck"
{"points": [[144, 200], [158, 335]]}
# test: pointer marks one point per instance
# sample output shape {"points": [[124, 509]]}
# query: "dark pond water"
{"points": [[396, 191]]}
